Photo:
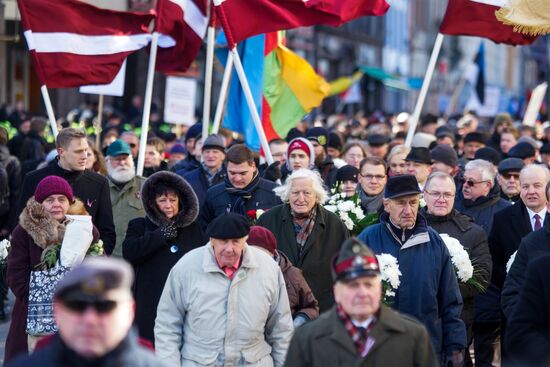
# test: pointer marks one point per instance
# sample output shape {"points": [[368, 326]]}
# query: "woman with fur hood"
{"points": [[154, 244], [41, 224]]}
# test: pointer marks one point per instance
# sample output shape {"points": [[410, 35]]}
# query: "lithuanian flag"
{"points": [[284, 86]]}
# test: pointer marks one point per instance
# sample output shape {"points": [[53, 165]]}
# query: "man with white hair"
{"points": [[125, 189], [306, 232]]}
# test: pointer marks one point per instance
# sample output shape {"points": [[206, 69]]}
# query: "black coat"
{"points": [[527, 339], [474, 240], [151, 255], [219, 200], [532, 246], [198, 181], [57, 353], [483, 209], [88, 186], [13, 169]]}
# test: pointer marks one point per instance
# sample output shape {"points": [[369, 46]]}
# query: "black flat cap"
{"points": [[522, 150], [91, 280], [354, 260], [401, 185], [475, 137], [377, 140], [443, 131], [420, 155], [346, 173], [445, 154], [335, 141], [227, 226], [319, 134], [488, 154], [510, 165]]}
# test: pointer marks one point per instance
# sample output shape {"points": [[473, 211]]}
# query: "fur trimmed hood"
{"points": [[189, 204], [43, 229]]}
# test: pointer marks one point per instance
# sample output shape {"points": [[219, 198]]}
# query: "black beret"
{"points": [[522, 150], [475, 137], [91, 280], [334, 141], [401, 185], [445, 154], [227, 226], [346, 173], [354, 260], [488, 154], [510, 165], [420, 155], [194, 131], [443, 131], [319, 134], [378, 139]]}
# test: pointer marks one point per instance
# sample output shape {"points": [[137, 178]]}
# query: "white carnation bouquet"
{"points": [[461, 261], [349, 210], [510, 262], [389, 269], [4, 251]]}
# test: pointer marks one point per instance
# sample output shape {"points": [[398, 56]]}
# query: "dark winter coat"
{"points": [[219, 200], [423, 260], [151, 255], [13, 169], [148, 171], [399, 341], [532, 246], [474, 240], [36, 229], [187, 164], [198, 181], [300, 296], [57, 353], [320, 248], [328, 170], [88, 186], [527, 340], [483, 209], [32, 152]]}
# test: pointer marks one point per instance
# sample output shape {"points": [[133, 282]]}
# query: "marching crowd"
{"points": [[214, 258]]}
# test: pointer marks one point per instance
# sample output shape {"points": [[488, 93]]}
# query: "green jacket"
{"points": [[398, 341], [127, 205], [320, 248]]}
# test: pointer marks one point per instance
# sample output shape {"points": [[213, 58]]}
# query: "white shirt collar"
{"points": [[365, 324]]}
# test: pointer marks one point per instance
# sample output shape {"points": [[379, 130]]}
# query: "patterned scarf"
{"points": [[243, 195], [304, 227], [359, 335]]}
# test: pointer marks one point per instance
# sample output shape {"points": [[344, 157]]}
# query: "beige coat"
{"points": [[206, 319]]}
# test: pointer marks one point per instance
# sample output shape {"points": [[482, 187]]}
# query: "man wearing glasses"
{"points": [[372, 181], [94, 311], [439, 194], [508, 178]]}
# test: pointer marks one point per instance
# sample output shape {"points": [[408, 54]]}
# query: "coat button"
{"points": [[174, 249]]}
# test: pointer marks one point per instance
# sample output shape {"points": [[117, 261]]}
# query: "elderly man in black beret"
{"points": [[429, 289], [94, 310], [359, 330], [419, 164], [508, 178], [224, 303]]}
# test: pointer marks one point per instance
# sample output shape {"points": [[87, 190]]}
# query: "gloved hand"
{"points": [[456, 359], [169, 230], [273, 172]]}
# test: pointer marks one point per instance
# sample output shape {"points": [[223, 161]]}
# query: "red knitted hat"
{"points": [[299, 144], [53, 185], [262, 237]]}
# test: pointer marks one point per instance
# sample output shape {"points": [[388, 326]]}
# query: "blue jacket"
{"points": [[198, 181], [429, 290]]}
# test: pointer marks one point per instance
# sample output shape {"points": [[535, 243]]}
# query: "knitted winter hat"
{"points": [[52, 185], [262, 237], [303, 144]]}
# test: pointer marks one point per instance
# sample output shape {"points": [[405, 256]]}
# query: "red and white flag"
{"points": [[75, 44], [477, 18], [182, 25], [247, 18]]}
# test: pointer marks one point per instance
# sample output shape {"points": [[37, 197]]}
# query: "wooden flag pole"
{"points": [[99, 122], [424, 89], [208, 81], [49, 109], [147, 104], [224, 90]]}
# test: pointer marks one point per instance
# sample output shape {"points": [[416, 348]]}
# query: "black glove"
{"points": [[169, 230], [456, 359], [273, 172]]}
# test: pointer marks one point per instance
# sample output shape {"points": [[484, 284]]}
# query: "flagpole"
{"points": [[424, 89], [244, 83], [224, 90], [147, 104], [99, 122], [49, 109], [208, 81]]}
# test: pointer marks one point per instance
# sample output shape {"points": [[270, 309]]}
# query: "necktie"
{"points": [[538, 224], [229, 271]]}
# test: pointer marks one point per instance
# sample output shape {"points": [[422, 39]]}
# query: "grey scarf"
{"points": [[370, 204]]}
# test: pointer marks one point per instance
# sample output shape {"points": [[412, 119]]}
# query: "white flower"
{"points": [[459, 257], [510, 261], [422, 202], [331, 208], [389, 269], [345, 206], [259, 212], [4, 248]]}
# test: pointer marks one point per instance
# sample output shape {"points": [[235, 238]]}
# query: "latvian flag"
{"points": [[477, 18], [182, 26], [75, 44]]}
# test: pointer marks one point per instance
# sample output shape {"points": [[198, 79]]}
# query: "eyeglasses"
{"points": [[472, 183], [101, 307], [373, 177], [508, 176], [438, 195]]}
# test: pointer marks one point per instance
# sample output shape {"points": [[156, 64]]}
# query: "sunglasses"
{"points": [[508, 176], [101, 307], [472, 183], [132, 145]]}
